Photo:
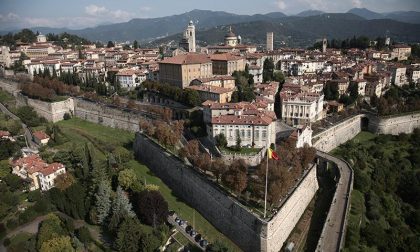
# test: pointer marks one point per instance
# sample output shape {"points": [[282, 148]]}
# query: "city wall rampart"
{"points": [[246, 229], [340, 133]]}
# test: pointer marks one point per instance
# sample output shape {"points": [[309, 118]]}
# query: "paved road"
{"points": [[31, 227], [181, 229], [28, 132], [335, 225]]}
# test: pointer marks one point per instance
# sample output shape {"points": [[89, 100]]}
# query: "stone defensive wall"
{"points": [[108, 115], [52, 111], [395, 125], [340, 133], [246, 229]]}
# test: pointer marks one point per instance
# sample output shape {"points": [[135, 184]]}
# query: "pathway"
{"points": [[333, 232]]}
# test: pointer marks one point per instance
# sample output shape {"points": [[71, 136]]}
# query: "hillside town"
{"points": [[129, 143]]}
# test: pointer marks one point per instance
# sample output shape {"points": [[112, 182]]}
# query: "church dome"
{"points": [[230, 34]]}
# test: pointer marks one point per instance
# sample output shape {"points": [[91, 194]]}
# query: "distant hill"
{"points": [[304, 31], [365, 13], [412, 17], [151, 29], [146, 29], [309, 13]]}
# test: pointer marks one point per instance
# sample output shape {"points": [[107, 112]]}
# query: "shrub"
{"points": [[83, 235], [34, 195]]}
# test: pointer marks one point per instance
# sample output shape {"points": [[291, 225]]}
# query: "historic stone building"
{"points": [[188, 40], [182, 69]]}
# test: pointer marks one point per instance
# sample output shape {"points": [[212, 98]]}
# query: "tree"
{"points": [[128, 235], [236, 177], [110, 44], [83, 234], [221, 140], [238, 140], [103, 201], [268, 70], [135, 44], [64, 181], [150, 243], [127, 178], [279, 77], [121, 207], [151, 207], [218, 246], [57, 244], [49, 229], [218, 168]]}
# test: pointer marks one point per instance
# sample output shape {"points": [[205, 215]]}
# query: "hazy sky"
{"points": [[88, 13]]}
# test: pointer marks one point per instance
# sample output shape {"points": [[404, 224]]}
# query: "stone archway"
{"points": [[364, 123]]}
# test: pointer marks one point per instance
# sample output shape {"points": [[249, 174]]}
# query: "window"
{"points": [[248, 133], [264, 134], [242, 133], [257, 134]]}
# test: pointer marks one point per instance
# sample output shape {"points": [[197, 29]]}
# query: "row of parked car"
{"points": [[190, 231]]}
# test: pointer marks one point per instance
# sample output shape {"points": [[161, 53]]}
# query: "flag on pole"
{"points": [[272, 154]]}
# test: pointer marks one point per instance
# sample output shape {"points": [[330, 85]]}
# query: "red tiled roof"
{"points": [[51, 168], [187, 59], [4, 133], [41, 135]]}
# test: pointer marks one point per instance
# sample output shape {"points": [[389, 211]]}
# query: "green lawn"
{"points": [[182, 209], [5, 96], [78, 132], [363, 137], [243, 150]]}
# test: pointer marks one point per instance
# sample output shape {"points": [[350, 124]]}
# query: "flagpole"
{"points": [[266, 184]]}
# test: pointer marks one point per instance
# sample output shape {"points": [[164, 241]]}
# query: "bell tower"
{"points": [[324, 45]]}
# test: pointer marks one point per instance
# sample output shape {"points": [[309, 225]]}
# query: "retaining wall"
{"points": [[107, 116], [247, 230], [331, 138]]}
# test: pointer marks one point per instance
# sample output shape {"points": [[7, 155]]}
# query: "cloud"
{"points": [[9, 17], [357, 3], [103, 12], [281, 4], [145, 8]]}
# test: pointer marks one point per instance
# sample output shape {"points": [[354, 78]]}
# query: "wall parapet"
{"points": [[246, 229]]}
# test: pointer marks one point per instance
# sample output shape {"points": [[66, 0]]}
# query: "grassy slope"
{"points": [[79, 131]]}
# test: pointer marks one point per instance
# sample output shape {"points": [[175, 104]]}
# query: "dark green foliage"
{"points": [[129, 235], [245, 85], [387, 175], [83, 235], [268, 70], [151, 207], [331, 91], [8, 149], [13, 181], [34, 196], [70, 201], [221, 140], [185, 96], [110, 44], [29, 116]]}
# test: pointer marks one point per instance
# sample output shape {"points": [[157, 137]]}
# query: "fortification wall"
{"points": [[338, 134], [52, 111], [247, 230], [283, 223], [395, 125], [107, 116], [346, 130]]}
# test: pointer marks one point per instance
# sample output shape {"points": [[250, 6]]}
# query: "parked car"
{"points": [[198, 238], [193, 233], [204, 243]]}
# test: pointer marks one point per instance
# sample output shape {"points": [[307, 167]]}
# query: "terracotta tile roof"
{"points": [[211, 89], [51, 168], [41, 135], [264, 120], [187, 59], [4, 133], [225, 57]]}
